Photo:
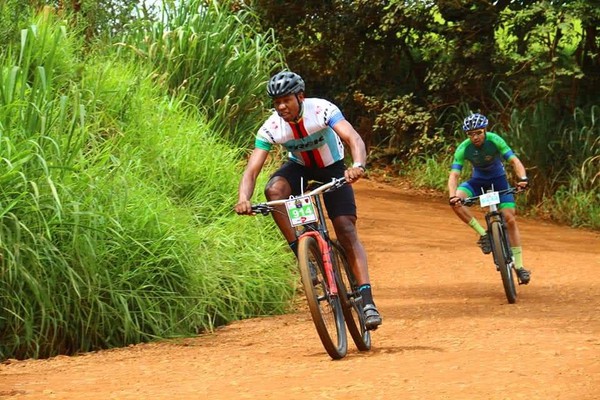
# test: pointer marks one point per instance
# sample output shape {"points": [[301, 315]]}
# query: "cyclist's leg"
{"points": [[508, 209], [468, 189], [463, 191], [514, 236], [280, 186], [345, 230], [341, 209]]}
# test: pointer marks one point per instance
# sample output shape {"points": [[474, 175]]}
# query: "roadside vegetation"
{"points": [[117, 187]]}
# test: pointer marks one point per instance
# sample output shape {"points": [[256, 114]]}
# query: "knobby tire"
{"points": [[503, 259], [326, 310], [352, 303]]}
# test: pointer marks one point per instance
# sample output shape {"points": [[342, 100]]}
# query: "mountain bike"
{"points": [[329, 284], [496, 230]]}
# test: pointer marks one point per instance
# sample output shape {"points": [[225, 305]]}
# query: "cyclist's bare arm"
{"points": [[521, 173], [348, 134], [453, 179], [247, 184], [518, 167], [453, 183]]}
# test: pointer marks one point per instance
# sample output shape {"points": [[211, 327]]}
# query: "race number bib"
{"points": [[489, 199], [300, 211]]}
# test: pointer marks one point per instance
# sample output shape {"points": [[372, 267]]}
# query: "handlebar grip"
{"points": [[468, 202], [261, 209]]}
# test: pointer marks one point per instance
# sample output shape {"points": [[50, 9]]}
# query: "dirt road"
{"points": [[448, 332]]}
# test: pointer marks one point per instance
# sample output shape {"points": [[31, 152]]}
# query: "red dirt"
{"points": [[448, 332]]}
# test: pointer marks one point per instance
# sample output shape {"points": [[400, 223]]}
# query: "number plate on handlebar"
{"points": [[301, 211], [488, 199]]}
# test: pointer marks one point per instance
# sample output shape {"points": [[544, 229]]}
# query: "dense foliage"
{"points": [[116, 191], [407, 72]]}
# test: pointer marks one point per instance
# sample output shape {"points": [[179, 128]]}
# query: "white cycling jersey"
{"points": [[311, 141]]}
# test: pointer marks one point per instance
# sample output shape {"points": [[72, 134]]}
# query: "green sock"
{"points": [[518, 254], [473, 223]]}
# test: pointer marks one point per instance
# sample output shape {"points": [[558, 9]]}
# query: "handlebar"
{"points": [[268, 207], [469, 201]]}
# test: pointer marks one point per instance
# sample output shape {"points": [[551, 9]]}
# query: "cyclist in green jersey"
{"points": [[486, 152]]}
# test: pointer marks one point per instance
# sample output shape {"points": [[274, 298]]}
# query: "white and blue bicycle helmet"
{"points": [[475, 121]]}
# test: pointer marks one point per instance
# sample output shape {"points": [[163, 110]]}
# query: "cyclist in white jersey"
{"points": [[314, 132]]}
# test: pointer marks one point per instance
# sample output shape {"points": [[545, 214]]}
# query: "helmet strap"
{"points": [[301, 109]]}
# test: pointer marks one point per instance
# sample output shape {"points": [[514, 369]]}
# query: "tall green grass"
{"points": [[116, 222], [13, 13], [429, 171], [215, 57], [562, 153]]}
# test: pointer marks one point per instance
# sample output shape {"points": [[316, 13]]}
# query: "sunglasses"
{"points": [[476, 132]]}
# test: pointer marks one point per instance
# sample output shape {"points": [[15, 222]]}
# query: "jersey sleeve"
{"points": [[331, 113], [459, 157], [337, 117], [265, 138], [261, 144], [501, 145]]}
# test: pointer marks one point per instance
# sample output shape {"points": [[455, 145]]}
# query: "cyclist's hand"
{"points": [[353, 174], [244, 208], [523, 184], [455, 201]]}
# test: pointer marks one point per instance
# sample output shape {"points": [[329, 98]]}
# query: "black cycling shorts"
{"points": [[338, 202]]}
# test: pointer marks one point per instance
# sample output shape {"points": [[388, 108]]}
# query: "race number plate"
{"points": [[300, 211], [489, 199]]}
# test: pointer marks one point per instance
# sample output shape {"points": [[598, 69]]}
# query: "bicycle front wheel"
{"points": [[325, 308], [352, 303], [503, 259]]}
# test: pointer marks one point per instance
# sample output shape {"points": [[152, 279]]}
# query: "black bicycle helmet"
{"points": [[284, 83]]}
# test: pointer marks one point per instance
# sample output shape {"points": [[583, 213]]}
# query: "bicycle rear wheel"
{"points": [[352, 303], [325, 309], [503, 259]]}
